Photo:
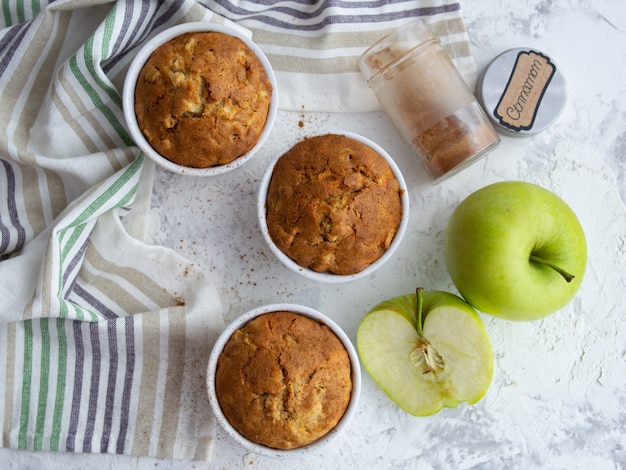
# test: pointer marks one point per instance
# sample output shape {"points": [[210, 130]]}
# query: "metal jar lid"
{"points": [[523, 91]]}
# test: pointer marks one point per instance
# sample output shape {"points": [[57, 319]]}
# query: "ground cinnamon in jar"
{"points": [[453, 141], [422, 92]]}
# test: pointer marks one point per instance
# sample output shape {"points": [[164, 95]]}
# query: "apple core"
{"points": [[425, 357]]}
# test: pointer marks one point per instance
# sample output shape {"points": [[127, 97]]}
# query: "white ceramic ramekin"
{"points": [[315, 315], [329, 277], [128, 97]]}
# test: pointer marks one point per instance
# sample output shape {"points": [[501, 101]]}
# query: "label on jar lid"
{"points": [[522, 91]]}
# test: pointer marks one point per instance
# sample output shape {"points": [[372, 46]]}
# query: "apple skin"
{"points": [[388, 334], [490, 238]]}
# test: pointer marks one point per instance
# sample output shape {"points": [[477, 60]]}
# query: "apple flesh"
{"points": [[515, 250], [426, 351]]}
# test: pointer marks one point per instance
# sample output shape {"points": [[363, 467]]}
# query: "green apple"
{"points": [[515, 250], [426, 351]]}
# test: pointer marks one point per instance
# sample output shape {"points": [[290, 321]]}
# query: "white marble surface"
{"points": [[558, 397]]}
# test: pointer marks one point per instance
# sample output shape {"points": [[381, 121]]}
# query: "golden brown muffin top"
{"points": [[333, 204], [283, 380], [202, 99]]}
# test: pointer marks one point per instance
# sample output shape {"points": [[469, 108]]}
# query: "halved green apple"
{"points": [[426, 351]]}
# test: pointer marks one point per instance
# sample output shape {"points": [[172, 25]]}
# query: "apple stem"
{"points": [[419, 295], [567, 276]]}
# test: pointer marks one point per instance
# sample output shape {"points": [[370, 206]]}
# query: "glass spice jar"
{"points": [[427, 100]]}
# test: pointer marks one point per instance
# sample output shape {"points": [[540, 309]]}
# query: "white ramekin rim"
{"points": [[128, 96], [310, 313], [329, 277]]}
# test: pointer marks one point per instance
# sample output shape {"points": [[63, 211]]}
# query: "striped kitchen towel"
{"points": [[104, 337], [314, 45]]}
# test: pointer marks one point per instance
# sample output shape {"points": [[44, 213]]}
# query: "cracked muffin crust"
{"points": [[202, 99], [283, 380], [333, 204]]}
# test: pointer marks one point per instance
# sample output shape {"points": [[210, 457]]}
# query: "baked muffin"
{"points": [[202, 99], [283, 380], [333, 204]]}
